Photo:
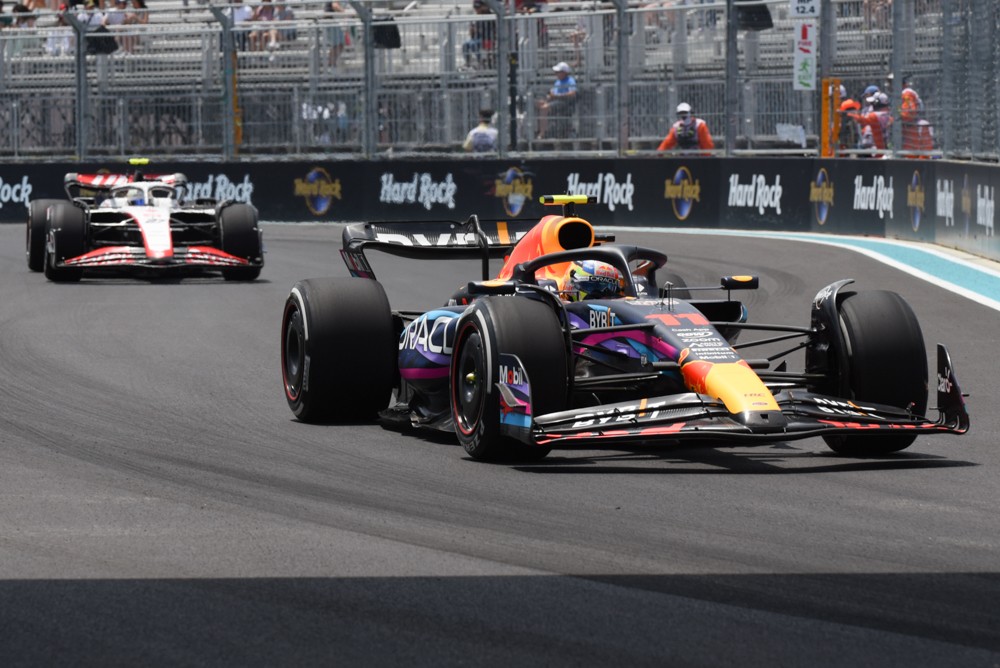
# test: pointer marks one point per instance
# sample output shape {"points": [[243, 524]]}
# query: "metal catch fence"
{"points": [[411, 78]]}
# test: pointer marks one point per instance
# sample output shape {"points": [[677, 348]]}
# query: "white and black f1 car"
{"points": [[140, 225], [576, 343]]}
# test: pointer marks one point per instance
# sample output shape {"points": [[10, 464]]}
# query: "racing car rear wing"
{"points": [[437, 239], [88, 185]]}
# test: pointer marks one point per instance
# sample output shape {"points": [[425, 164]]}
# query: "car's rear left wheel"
{"points": [[338, 349]]}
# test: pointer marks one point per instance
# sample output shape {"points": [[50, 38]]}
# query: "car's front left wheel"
{"points": [[66, 233], [886, 364], [494, 334], [34, 242]]}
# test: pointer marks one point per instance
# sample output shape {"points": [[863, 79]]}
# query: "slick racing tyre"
{"points": [[887, 364], [339, 349], [516, 326], [66, 233], [35, 234], [240, 237]]}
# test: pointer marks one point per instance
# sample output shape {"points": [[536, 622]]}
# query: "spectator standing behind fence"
{"points": [[482, 138], [850, 133], [24, 19], [918, 136], [137, 15], [6, 20], [61, 40], [560, 101], [482, 35], [336, 37], [264, 36], [878, 121], [114, 18], [688, 133]]}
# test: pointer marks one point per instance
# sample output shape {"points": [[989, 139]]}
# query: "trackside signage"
{"points": [[952, 203], [15, 192]]}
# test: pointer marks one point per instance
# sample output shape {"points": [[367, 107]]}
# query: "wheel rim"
{"points": [[293, 353], [470, 392]]}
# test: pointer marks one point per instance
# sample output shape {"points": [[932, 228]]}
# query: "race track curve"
{"points": [[159, 505]]}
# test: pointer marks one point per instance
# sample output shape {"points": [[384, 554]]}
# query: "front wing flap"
{"points": [[124, 257], [692, 416]]}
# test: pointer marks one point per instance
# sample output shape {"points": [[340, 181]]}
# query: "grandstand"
{"points": [[191, 87]]}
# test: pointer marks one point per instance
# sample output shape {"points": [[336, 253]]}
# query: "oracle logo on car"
{"points": [[15, 193]]}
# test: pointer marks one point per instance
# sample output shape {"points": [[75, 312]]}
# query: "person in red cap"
{"points": [[688, 132], [850, 134]]}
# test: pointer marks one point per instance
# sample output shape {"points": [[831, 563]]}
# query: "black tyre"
{"points": [[66, 233], [887, 364], [514, 326], [240, 237], [34, 243], [338, 349]]}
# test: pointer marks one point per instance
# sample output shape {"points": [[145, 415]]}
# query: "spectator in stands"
{"points": [[482, 35], [61, 40], [91, 16], [878, 120], [240, 13], [560, 101], [265, 36], [6, 20], [137, 15], [917, 132], [687, 133], [336, 37], [484, 137], [24, 19], [115, 18], [869, 94], [529, 6]]}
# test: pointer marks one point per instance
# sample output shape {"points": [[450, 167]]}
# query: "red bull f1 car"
{"points": [[139, 224], [579, 341]]}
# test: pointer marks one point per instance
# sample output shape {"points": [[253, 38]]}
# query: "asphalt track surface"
{"points": [[159, 505]]}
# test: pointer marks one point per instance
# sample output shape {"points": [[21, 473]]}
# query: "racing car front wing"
{"points": [[692, 416], [112, 257]]}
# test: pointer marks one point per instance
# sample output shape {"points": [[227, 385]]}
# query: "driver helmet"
{"points": [[593, 279], [136, 197]]}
